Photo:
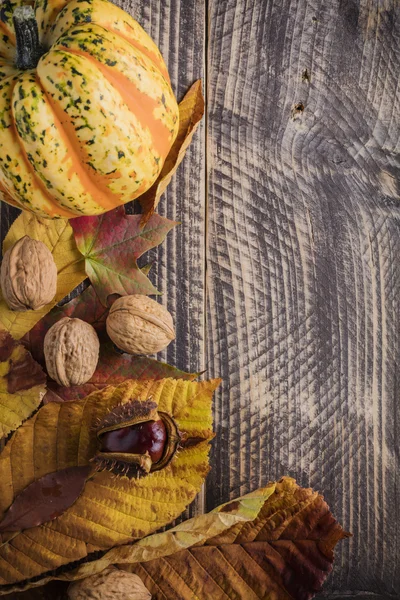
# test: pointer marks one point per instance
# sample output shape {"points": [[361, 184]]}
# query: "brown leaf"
{"points": [[114, 368], [24, 374], [7, 344], [22, 384], [45, 499], [285, 553], [191, 111]]}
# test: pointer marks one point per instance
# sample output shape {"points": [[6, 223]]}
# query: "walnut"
{"points": [[139, 325], [28, 275], [71, 350], [111, 584]]}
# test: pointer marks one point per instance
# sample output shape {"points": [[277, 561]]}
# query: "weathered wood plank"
{"points": [[303, 271]]}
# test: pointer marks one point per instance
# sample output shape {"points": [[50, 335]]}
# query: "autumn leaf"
{"points": [[185, 535], [111, 245], [286, 552], [147, 268], [114, 368], [58, 236], [45, 499], [111, 510], [191, 111], [276, 542], [22, 384]]}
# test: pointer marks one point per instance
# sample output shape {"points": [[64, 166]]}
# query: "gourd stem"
{"points": [[29, 49]]}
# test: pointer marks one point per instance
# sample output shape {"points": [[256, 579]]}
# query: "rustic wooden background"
{"points": [[284, 277]]}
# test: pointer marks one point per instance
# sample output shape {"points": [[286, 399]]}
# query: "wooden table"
{"points": [[284, 277]]}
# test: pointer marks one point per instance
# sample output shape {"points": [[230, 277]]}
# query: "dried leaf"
{"points": [[22, 384], [276, 542], [111, 510], [114, 368], [286, 552], [185, 535], [191, 111], [111, 245], [45, 499], [58, 236]]}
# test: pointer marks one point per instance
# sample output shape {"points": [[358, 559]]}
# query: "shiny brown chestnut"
{"points": [[140, 438], [135, 439]]}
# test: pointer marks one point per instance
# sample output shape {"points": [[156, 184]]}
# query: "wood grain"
{"points": [[303, 271], [299, 214]]}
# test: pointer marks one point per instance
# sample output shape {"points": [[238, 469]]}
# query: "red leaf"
{"points": [[22, 383], [45, 499], [24, 374], [7, 345], [111, 245], [114, 368]]}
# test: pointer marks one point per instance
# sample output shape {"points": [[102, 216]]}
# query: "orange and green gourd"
{"points": [[87, 113]]}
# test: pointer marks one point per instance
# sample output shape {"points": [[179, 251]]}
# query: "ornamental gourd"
{"points": [[87, 113]]}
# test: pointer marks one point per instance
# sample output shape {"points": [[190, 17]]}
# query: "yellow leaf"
{"points": [[191, 111], [112, 510], [58, 236], [185, 535], [285, 552], [22, 384], [276, 542]]}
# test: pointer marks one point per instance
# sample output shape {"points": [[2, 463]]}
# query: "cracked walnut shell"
{"points": [[139, 325], [28, 275], [71, 350]]}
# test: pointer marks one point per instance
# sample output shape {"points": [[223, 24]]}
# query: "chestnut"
{"points": [[150, 436], [135, 439]]}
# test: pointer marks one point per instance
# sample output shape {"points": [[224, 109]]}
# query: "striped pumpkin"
{"points": [[87, 114]]}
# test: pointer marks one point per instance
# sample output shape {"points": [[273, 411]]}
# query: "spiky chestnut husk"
{"points": [[153, 436]]}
